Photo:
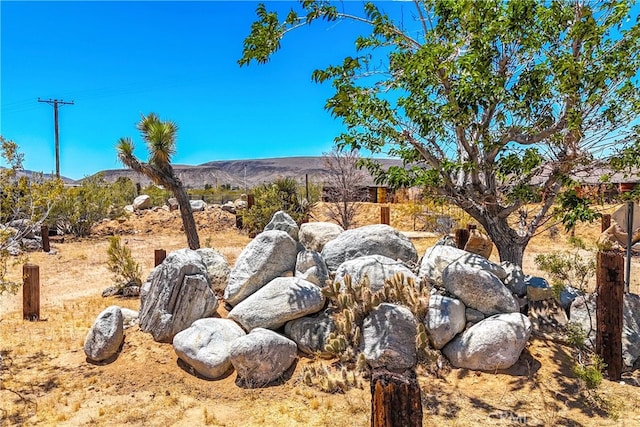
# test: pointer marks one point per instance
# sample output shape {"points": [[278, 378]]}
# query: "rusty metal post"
{"points": [[385, 215], [461, 237], [609, 306], [159, 255], [44, 233], [31, 292], [395, 399]]}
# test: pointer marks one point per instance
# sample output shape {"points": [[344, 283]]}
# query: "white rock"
{"points": [[493, 343], [314, 235], [217, 268], [281, 300], [141, 202], [262, 357], [389, 333], [310, 266], [479, 289], [205, 345], [438, 257], [377, 268], [379, 239], [445, 319], [178, 294], [311, 334], [282, 221], [268, 256], [198, 205], [106, 335]]}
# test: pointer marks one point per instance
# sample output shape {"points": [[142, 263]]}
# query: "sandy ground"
{"points": [[46, 379]]}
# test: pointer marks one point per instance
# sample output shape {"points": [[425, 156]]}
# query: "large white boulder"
{"points": [[314, 235], [445, 319], [281, 300], [261, 357], [379, 239], [377, 268], [217, 268], [268, 256], [389, 333], [282, 221], [439, 257], [493, 343], [106, 335], [479, 289], [178, 294], [310, 266], [311, 334], [205, 345], [141, 202]]}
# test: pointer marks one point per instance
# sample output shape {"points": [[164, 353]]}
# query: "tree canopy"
{"points": [[493, 104]]}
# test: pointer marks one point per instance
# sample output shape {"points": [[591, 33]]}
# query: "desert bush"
{"points": [[158, 195], [284, 194], [590, 373], [80, 208], [566, 268], [125, 269]]}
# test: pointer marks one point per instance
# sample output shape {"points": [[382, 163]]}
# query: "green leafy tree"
{"points": [[491, 103], [160, 137]]}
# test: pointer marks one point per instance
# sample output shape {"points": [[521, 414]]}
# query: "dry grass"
{"points": [[53, 384]]}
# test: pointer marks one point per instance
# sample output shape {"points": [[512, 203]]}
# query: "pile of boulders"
{"points": [[277, 307]]}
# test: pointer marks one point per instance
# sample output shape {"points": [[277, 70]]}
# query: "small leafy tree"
{"points": [[343, 186], [160, 137], [126, 271]]}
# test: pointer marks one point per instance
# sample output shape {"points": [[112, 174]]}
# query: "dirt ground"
{"points": [[46, 379]]}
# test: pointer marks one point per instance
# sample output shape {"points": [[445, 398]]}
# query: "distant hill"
{"points": [[232, 172], [29, 174]]}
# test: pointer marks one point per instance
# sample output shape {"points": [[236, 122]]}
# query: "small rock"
{"points": [[106, 335]]}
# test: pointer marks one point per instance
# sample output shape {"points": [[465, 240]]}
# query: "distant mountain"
{"points": [[241, 173]]}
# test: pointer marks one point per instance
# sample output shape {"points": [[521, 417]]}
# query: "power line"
{"points": [[55, 103]]}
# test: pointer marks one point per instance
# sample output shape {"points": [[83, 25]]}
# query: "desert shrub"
{"points": [[566, 268], [282, 195], [123, 191], [590, 374], [80, 208], [158, 195], [125, 269]]}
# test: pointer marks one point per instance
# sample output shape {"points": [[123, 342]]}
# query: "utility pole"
{"points": [[55, 103]]}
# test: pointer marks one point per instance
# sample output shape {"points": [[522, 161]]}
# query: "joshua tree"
{"points": [[160, 137]]}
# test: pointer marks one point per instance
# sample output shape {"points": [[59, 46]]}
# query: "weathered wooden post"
{"points": [[31, 292], [395, 399], [251, 200], [385, 215], [462, 237], [158, 256], [609, 304], [605, 222], [44, 233], [472, 227]]}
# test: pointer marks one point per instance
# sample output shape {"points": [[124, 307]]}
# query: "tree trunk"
{"points": [[509, 243], [186, 213]]}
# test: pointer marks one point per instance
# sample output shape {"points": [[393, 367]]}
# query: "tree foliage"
{"points": [[492, 103], [343, 186], [160, 137]]}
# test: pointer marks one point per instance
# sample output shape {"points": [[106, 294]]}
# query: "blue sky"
{"points": [[117, 60]]}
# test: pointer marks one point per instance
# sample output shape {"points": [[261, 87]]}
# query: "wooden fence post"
{"points": [[44, 233], [605, 222], [462, 237], [395, 399], [31, 292], [158, 256], [472, 227], [609, 306], [385, 215], [251, 200]]}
